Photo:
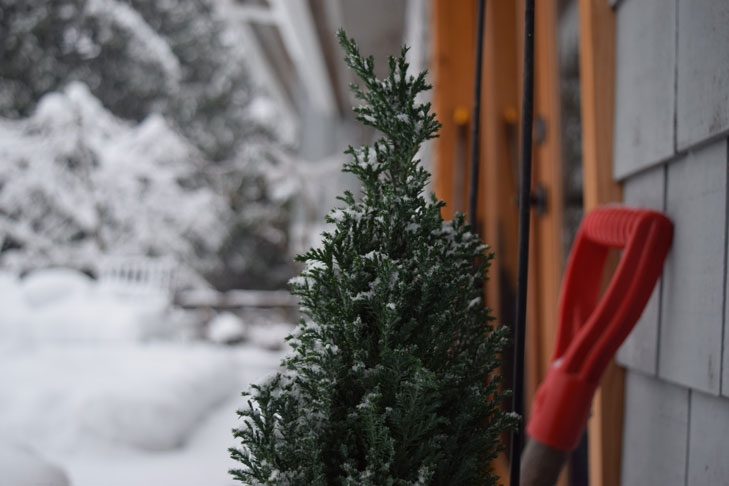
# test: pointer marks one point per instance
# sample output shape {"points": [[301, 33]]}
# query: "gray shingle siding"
{"points": [[708, 440], [640, 350], [644, 87], [693, 278], [654, 438], [672, 153], [703, 71]]}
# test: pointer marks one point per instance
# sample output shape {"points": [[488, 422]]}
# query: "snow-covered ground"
{"points": [[100, 387]]}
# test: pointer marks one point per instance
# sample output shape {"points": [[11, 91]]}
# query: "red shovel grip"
{"points": [[590, 332], [611, 226]]}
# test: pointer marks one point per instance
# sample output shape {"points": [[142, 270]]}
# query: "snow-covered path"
{"points": [[85, 391], [202, 461], [97, 447]]}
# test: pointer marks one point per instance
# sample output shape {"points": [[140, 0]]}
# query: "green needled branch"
{"points": [[392, 380]]}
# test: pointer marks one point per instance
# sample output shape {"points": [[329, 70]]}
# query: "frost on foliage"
{"points": [[391, 380], [137, 57], [146, 44], [77, 182]]}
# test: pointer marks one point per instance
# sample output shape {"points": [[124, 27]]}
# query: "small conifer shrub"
{"points": [[392, 376]]}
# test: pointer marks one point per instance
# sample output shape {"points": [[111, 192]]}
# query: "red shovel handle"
{"points": [[612, 226], [590, 332]]}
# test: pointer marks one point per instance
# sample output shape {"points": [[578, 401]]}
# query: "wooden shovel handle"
{"points": [[541, 464]]}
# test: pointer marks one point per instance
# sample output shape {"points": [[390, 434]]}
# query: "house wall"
{"points": [[671, 151]]}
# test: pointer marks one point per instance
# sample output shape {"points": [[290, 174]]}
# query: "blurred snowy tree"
{"points": [[214, 91], [140, 59], [259, 198], [169, 56], [77, 183], [104, 43]]}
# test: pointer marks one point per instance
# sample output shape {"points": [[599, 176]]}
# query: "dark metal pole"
{"points": [[476, 125], [517, 438]]}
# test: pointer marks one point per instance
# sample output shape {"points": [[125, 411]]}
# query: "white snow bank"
{"points": [[270, 335], [226, 327], [52, 285], [22, 466], [76, 398], [204, 460], [62, 305], [77, 386]]}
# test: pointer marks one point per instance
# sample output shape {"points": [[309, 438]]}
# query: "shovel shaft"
{"points": [[541, 464]]}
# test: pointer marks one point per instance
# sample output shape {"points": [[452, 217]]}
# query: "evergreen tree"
{"points": [[391, 380]]}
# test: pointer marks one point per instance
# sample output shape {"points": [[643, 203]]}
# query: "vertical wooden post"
{"points": [[548, 221], [454, 35], [499, 153], [499, 173], [597, 84], [453, 63], [453, 54]]}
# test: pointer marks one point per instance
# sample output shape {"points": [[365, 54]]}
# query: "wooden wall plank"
{"points": [[546, 250], [454, 38], [499, 125], [498, 150], [453, 63], [547, 224], [597, 83]]}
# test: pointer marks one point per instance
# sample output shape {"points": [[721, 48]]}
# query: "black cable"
{"points": [[476, 125], [517, 437]]}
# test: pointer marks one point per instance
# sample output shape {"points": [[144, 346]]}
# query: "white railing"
{"points": [[138, 275]]}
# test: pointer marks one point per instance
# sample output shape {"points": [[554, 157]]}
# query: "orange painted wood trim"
{"points": [[597, 84], [454, 33], [548, 175], [499, 153], [546, 264], [452, 67]]}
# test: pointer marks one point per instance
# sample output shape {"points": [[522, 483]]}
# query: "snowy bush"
{"points": [[140, 139], [78, 183], [175, 57]]}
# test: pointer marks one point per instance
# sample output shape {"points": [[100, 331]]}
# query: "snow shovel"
{"points": [[590, 332]]}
